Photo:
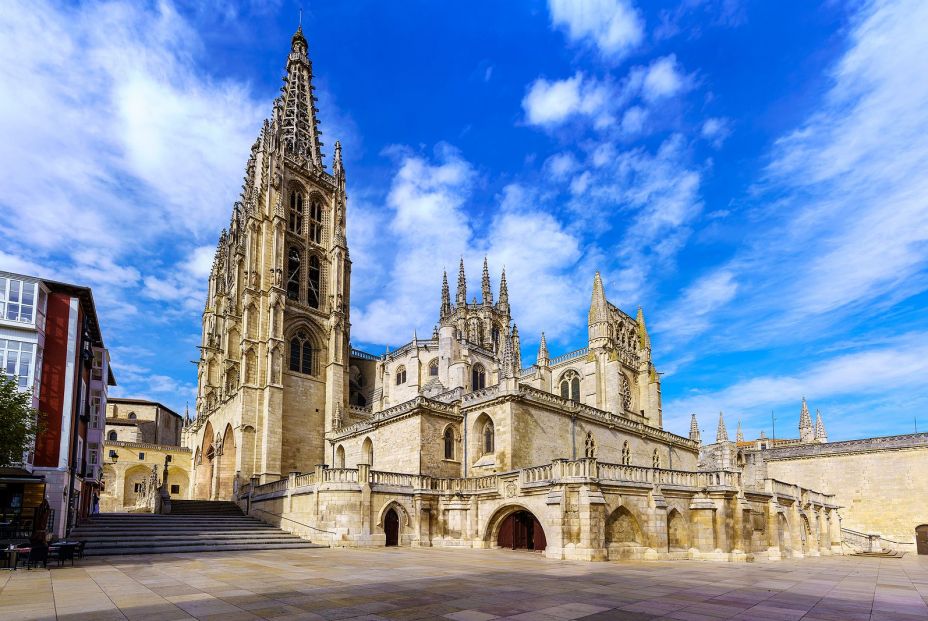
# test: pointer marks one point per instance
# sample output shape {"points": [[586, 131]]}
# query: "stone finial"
{"points": [[599, 309], [643, 339], [462, 285], [507, 363], [542, 360], [806, 430], [694, 429], [739, 435], [516, 351], [503, 290], [820, 435], [486, 291], [721, 434], [445, 295]]}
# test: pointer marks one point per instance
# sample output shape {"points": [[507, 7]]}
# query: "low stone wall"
{"points": [[587, 510]]}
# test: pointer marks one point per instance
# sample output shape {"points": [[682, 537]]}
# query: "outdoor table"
{"points": [[61, 546]]}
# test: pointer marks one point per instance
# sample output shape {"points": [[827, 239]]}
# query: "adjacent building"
{"points": [[141, 437], [50, 339]]}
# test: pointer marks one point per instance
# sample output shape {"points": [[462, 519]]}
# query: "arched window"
{"points": [[340, 456], [433, 368], [131, 415], [656, 459], [590, 445], [626, 454], [315, 221], [313, 295], [301, 353], [367, 451], [293, 273], [401, 375], [111, 436], [626, 393], [295, 223], [488, 438], [478, 377], [570, 385], [449, 443]]}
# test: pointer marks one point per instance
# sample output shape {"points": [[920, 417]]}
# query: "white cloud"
{"points": [[552, 103], [692, 312], [560, 165], [662, 79], [715, 130], [633, 120], [614, 27]]}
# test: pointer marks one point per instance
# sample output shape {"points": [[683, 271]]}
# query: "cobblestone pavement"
{"points": [[467, 585]]}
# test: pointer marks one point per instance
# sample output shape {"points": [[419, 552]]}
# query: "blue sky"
{"points": [[755, 175]]}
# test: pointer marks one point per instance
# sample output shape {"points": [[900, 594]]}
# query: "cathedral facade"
{"points": [[447, 440]]}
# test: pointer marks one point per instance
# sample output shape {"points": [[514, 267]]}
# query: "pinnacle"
{"points": [[721, 434]]}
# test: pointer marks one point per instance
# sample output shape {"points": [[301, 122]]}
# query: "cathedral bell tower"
{"points": [[273, 370]]}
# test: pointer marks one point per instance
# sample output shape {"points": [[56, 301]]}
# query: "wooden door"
{"points": [[504, 539], [391, 527], [921, 539]]}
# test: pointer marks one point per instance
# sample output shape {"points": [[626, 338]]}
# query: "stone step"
{"points": [[127, 539], [182, 548]]}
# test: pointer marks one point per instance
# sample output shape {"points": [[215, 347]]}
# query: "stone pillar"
{"points": [[365, 507], [737, 529], [834, 530], [773, 531], [553, 520], [593, 524], [795, 526]]}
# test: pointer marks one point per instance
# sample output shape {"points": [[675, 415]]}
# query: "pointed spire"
{"points": [[338, 167], [516, 351], [415, 341], [694, 429], [486, 291], [739, 435], [503, 290], [445, 295], [721, 435], [507, 362], [806, 430], [542, 360], [462, 286], [820, 435], [598, 305], [643, 339], [299, 124]]}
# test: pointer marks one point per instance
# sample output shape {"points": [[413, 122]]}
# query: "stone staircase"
{"points": [[192, 526]]}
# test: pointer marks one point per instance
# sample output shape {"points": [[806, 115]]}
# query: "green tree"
{"points": [[19, 421]]}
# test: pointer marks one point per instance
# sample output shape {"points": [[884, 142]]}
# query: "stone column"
{"points": [[773, 531]]}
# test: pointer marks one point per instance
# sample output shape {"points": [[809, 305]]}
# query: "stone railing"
{"points": [[280, 485], [781, 488], [398, 410], [470, 484], [536, 474], [360, 411], [339, 475], [449, 396], [395, 478], [662, 476], [569, 356], [527, 371], [363, 355], [302, 480], [480, 395]]}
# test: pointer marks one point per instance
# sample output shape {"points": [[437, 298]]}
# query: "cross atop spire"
{"points": [[486, 291], [721, 434]]}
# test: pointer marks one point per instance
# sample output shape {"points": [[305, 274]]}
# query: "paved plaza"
{"points": [[467, 585]]}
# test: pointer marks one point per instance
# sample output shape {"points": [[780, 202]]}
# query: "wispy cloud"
{"points": [[612, 27]]}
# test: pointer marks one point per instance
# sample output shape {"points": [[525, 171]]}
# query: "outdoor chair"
{"points": [[63, 553], [38, 554], [80, 549]]}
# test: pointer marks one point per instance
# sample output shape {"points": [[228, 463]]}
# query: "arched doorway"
{"points": [[521, 530], [921, 539], [783, 536], [391, 527], [227, 465], [677, 531]]}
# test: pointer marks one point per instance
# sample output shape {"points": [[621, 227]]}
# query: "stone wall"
{"points": [[879, 482]]}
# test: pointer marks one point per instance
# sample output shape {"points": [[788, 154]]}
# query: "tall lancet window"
{"points": [[570, 386], [301, 353], [315, 273], [296, 212], [315, 221], [479, 379], [293, 273]]}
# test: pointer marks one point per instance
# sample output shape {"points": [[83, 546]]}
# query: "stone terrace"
{"points": [[468, 585]]}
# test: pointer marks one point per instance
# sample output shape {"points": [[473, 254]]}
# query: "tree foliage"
{"points": [[19, 421]]}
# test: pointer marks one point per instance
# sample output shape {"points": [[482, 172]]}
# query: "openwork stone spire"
{"points": [[445, 295], [721, 434], [503, 290], [694, 429], [739, 435], [300, 126], [462, 286], [486, 291]]}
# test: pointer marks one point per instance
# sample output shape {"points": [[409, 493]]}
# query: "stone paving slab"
{"points": [[462, 585]]}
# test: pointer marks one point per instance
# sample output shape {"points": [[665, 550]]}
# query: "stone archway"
{"points": [[623, 534], [178, 480], [678, 535], [391, 527], [516, 528], [203, 465], [784, 538], [135, 480]]}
